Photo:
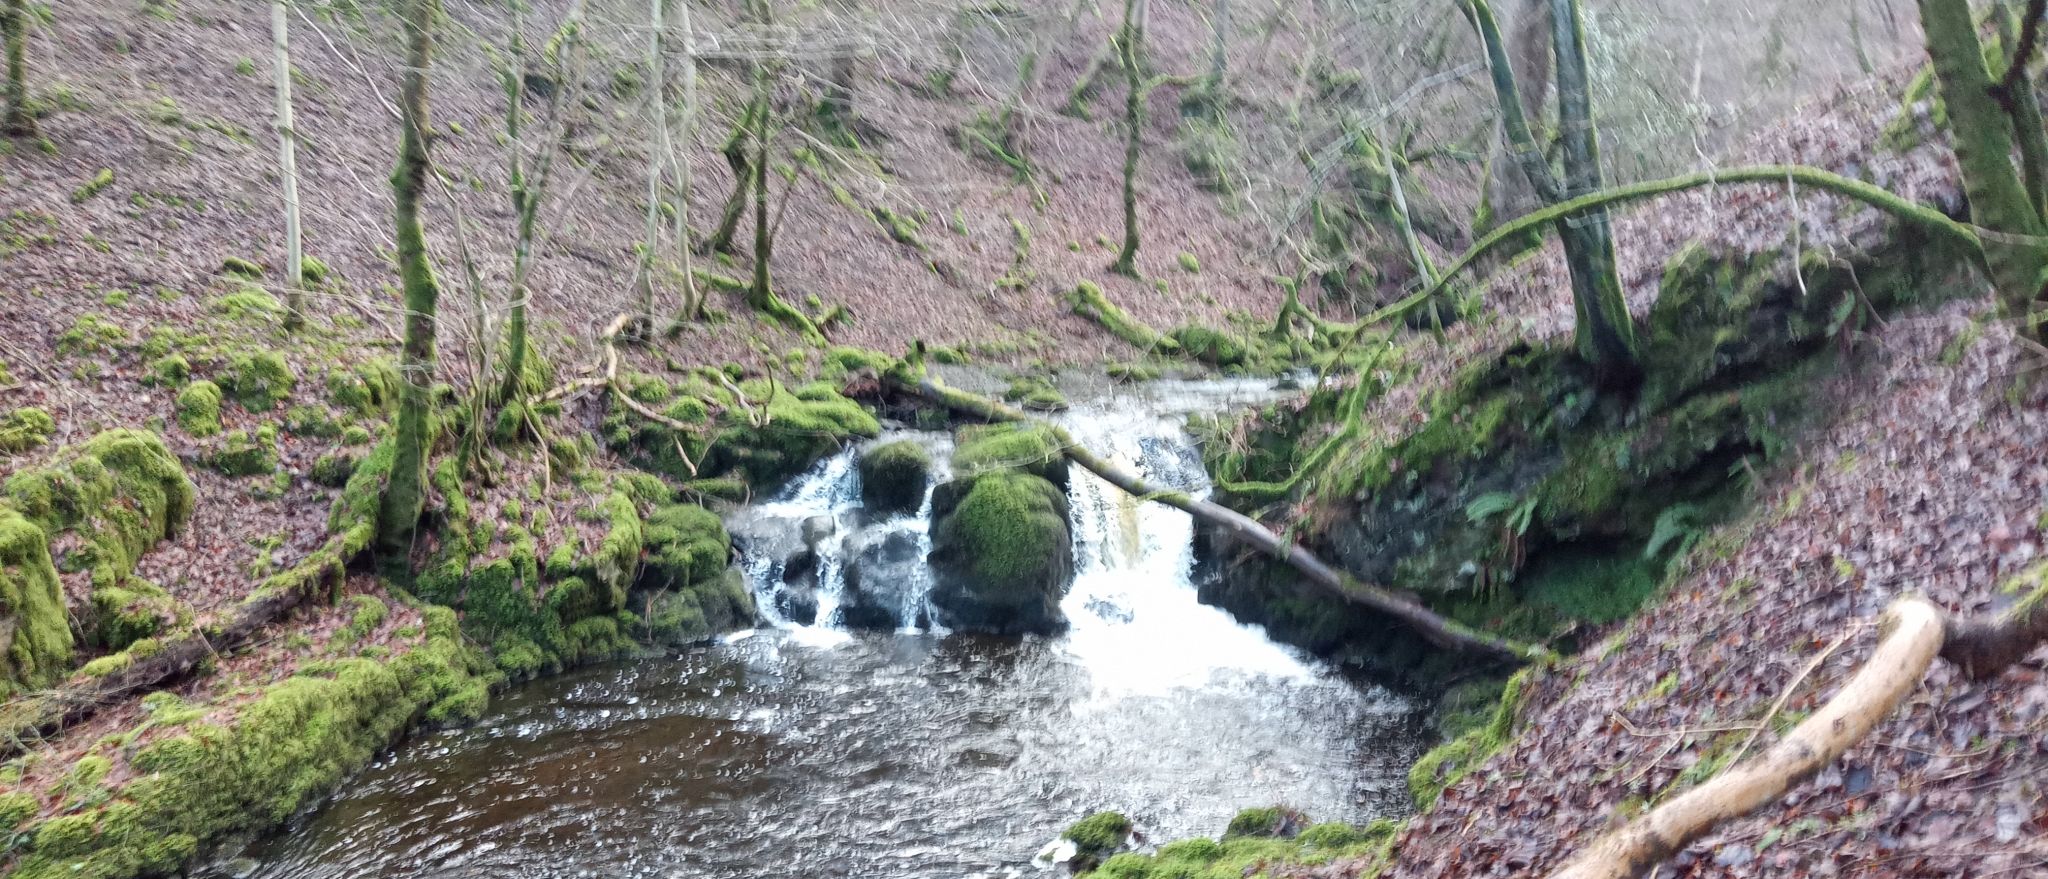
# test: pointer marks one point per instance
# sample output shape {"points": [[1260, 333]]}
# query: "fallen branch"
{"points": [[1915, 633], [1440, 631]]}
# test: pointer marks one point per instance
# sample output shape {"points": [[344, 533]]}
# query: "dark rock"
{"points": [[882, 571], [893, 477], [1002, 557]]}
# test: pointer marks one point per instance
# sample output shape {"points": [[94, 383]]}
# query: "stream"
{"points": [[798, 750]]}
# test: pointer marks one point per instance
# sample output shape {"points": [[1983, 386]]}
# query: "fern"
{"points": [[1489, 505], [1679, 524]]}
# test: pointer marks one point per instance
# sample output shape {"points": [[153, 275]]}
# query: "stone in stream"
{"points": [[881, 570], [1002, 557], [893, 477]]}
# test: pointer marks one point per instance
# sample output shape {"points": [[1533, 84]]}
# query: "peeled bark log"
{"points": [[1442, 632]]}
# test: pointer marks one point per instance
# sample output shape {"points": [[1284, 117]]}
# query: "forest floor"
{"points": [[1929, 478], [1932, 483]]}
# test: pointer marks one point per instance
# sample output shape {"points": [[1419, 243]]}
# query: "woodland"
{"points": [[1656, 391]]}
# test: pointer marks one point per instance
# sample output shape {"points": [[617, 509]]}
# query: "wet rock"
{"points": [[893, 477], [798, 604], [1002, 557], [816, 528], [882, 567]]}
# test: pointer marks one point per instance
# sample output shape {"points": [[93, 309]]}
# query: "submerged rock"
{"points": [[893, 477]]}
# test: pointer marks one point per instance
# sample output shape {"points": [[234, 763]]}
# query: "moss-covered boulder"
{"points": [[1035, 393], [1002, 557], [687, 589], [37, 649], [246, 453], [25, 429], [1096, 837], [1213, 347], [198, 407], [120, 494], [893, 477], [258, 380]]}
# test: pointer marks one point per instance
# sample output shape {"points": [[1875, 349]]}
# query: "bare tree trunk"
{"points": [[288, 171], [18, 121], [693, 299], [1129, 44], [739, 160], [657, 85], [405, 495], [762, 294]]}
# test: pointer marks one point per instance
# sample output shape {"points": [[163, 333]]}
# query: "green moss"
{"points": [[247, 303], [365, 614], [242, 453], [238, 267], [95, 186], [25, 429], [1211, 347], [334, 468], [1004, 537], [1273, 822], [258, 763], [198, 407], [40, 649], [1088, 301], [1035, 393], [125, 615], [170, 370], [91, 333], [1189, 264], [259, 380], [1099, 835], [792, 433], [1365, 851], [313, 271], [1031, 448], [893, 477], [1451, 761], [370, 388]]}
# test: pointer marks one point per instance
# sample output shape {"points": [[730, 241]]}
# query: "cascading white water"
{"points": [[808, 750], [1132, 611]]}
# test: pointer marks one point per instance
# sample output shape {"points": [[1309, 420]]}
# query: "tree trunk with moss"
{"points": [[1605, 334], [18, 121], [761, 295], [1129, 43], [1984, 148], [740, 161], [405, 495]]}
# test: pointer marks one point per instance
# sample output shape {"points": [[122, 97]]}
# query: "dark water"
{"points": [[808, 751]]}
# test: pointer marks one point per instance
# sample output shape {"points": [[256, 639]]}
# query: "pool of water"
{"points": [[809, 750]]}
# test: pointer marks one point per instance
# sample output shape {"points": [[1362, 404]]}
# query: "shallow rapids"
{"points": [[812, 751]]}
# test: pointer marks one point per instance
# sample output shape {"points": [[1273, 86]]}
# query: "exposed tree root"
{"points": [[1915, 632], [1440, 631], [610, 380]]}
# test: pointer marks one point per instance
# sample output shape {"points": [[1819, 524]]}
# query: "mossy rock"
{"points": [[1002, 556], [121, 493], [249, 764], [1098, 836], [1270, 822], [1029, 448], [258, 380], [198, 407], [25, 429], [1211, 346], [334, 468], [39, 652], [893, 477], [1036, 394], [242, 453], [369, 388]]}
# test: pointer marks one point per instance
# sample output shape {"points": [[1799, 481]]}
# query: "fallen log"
{"points": [[40, 715], [1915, 633], [1438, 630]]}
